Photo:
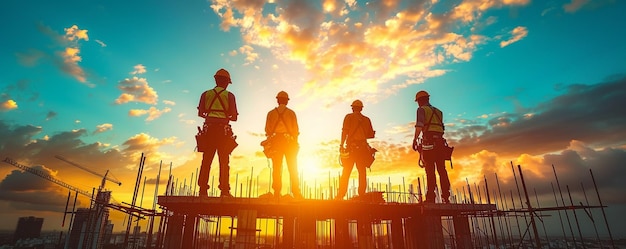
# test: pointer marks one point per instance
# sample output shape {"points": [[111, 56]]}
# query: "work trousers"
{"points": [[287, 148], [215, 145], [358, 155], [434, 160]]}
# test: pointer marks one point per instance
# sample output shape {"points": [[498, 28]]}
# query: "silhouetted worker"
{"points": [[218, 107], [281, 128], [431, 146], [356, 129]]}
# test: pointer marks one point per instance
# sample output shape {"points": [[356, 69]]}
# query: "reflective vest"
{"points": [[434, 120], [216, 102]]}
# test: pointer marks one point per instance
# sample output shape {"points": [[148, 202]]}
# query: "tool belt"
{"points": [[277, 142], [217, 135], [436, 143], [360, 152]]}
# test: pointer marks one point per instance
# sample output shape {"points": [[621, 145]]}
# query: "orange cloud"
{"points": [[136, 89], [366, 52], [516, 35], [153, 112], [103, 127], [8, 105], [139, 69]]}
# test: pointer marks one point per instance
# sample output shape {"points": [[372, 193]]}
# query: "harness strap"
{"points": [[217, 97], [280, 119]]}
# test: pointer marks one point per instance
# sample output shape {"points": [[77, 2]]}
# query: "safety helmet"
{"points": [[421, 94], [282, 94], [223, 73], [357, 103]]}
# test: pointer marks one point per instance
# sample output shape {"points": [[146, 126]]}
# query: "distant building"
{"points": [[28, 228]]}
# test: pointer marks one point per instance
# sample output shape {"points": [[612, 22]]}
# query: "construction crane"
{"points": [[46, 176], [134, 211], [90, 171]]}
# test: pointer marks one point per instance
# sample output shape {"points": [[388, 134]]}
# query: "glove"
{"points": [[414, 145]]}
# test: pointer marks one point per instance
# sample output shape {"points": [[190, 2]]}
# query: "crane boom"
{"points": [[89, 170], [133, 211], [45, 176]]}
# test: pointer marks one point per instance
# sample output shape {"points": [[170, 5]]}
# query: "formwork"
{"points": [[194, 222]]}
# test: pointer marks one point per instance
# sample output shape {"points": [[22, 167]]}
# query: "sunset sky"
{"points": [[535, 83]]}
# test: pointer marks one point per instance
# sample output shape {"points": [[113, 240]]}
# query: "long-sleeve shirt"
{"points": [[282, 120]]}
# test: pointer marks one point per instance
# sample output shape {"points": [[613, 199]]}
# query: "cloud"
{"points": [[137, 90], [248, 51], [30, 58], [70, 55], [148, 145], [517, 34], [574, 6], [169, 102], [51, 115], [103, 127], [153, 112], [354, 49], [8, 105], [32, 192], [74, 34], [139, 69], [102, 44], [553, 124], [67, 59]]}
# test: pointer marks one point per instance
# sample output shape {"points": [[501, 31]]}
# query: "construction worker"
{"points": [[356, 129], [430, 125], [218, 107], [281, 128]]}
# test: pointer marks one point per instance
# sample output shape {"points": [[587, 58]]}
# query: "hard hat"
{"points": [[222, 72], [357, 103], [282, 94], [421, 94]]}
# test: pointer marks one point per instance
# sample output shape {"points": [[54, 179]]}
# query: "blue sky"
{"points": [[536, 83]]}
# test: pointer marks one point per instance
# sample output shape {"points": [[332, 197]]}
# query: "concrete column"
{"points": [[288, 232], [246, 229], [364, 233], [462, 232], [434, 232], [342, 234], [174, 232], [397, 234], [306, 237], [189, 231]]}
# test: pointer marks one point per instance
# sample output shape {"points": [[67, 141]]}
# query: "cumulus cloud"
{"points": [[70, 55], [33, 192], [169, 102], [103, 127], [136, 90], [516, 35], [8, 105], [355, 49], [139, 69], [153, 113]]}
